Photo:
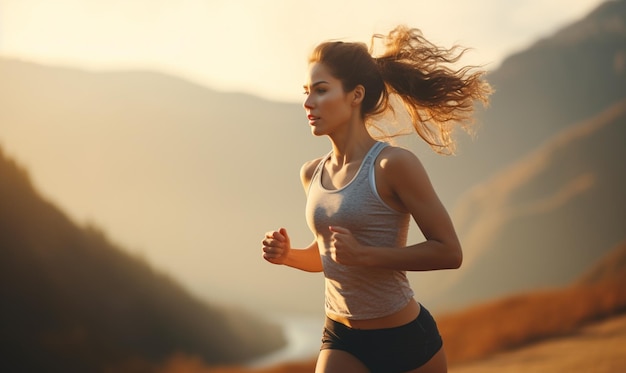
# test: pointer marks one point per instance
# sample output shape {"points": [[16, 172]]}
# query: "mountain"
{"points": [[576, 75], [72, 301], [192, 175], [557, 123], [543, 220], [191, 178]]}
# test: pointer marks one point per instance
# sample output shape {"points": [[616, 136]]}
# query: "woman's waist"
{"points": [[402, 317]]}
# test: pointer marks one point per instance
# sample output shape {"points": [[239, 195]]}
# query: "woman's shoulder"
{"points": [[393, 155], [396, 162], [308, 169]]}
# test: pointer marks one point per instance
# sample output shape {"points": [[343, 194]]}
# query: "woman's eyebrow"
{"points": [[315, 84]]}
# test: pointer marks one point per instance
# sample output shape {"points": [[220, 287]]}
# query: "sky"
{"points": [[259, 46]]}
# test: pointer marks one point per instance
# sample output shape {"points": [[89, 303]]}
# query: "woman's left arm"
{"points": [[405, 186]]}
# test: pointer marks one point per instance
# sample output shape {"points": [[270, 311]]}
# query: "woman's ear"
{"points": [[358, 94]]}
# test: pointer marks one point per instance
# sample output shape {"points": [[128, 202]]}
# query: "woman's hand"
{"points": [[344, 248], [276, 246]]}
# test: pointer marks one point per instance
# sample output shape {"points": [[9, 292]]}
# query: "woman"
{"points": [[361, 196]]}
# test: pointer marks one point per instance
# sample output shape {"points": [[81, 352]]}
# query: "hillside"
{"points": [[558, 206], [72, 300], [543, 220], [160, 163], [596, 348]]}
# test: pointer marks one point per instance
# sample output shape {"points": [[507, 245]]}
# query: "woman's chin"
{"points": [[317, 131]]}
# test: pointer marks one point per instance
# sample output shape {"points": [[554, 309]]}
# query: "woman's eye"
{"points": [[318, 91]]}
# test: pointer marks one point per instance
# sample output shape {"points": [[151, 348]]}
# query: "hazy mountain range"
{"points": [[71, 301], [548, 217], [191, 178], [558, 125]]}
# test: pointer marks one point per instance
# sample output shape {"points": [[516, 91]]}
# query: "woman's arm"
{"points": [[403, 183], [277, 245], [277, 250]]}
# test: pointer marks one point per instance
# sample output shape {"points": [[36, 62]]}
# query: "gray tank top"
{"points": [[358, 292]]}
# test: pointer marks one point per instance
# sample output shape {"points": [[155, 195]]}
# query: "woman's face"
{"points": [[327, 106]]}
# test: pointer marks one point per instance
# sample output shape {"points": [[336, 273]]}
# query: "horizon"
{"points": [[180, 38]]}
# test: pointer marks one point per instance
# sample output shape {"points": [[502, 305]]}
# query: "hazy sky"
{"points": [[259, 46]]}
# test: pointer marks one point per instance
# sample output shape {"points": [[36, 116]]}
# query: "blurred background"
{"points": [[147, 146]]}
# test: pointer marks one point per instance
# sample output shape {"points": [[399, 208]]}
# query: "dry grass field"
{"points": [[523, 319], [597, 348]]}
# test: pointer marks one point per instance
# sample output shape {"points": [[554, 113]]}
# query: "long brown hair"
{"points": [[436, 96]]}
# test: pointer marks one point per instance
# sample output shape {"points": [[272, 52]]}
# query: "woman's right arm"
{"points": [[277, 250], [277, 245]]}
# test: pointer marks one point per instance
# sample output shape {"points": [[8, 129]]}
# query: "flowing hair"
{"points": [[415, 73]]}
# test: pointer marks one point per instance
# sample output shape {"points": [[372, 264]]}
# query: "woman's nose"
{"points": [[308, 102]]}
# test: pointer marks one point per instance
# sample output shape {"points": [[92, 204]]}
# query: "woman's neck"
{"points": [[351, 145]]}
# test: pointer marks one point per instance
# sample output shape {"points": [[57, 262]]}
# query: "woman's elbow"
{"points": [[455, 258]]}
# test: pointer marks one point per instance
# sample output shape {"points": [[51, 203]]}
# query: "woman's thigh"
{"points": [[338, 361]]}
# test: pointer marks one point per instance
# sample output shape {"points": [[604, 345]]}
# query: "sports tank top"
{"points": [[350, 291]]}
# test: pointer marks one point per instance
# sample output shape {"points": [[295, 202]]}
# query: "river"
{"points": [[303, 335]]}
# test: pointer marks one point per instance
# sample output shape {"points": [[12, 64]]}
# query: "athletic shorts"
{"points": [[392, 350]]}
